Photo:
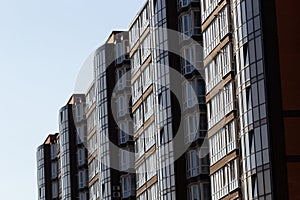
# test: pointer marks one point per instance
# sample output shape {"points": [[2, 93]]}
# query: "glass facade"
{"points": [[130, 106]]}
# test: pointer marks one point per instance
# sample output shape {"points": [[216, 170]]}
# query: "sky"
{"points": [[43, 45]]}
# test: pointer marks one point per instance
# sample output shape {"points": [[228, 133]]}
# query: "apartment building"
{"points": [[73, 154], [238, 59], [115, 147], [244, 59], [193, 99], [154, 57], [48, 169]]}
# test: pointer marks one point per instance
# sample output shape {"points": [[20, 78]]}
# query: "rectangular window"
{"points": [[153, 193], [232, 174], [228, 98], [219, 183], [54, 190], [121, 78], [194, 191], [141, 175], [223, 20], [126, 186], [186, 26], [147, 77], [226, 60], [194, 93], [119, 48], [53, 151], [123, 132], [149, 135], [191, 128], [144, 19], [137, 89], [208, 6], [122, 106], [151, 166], [148, 106], [80, 156], [193, 163], [54, 169], [126, 159], [145, 48], [138, 118], [134, 33], [215, 109], [187, 60], [230, 136], [217, 146], [82, 179], [135, 61], [139, 146], [213, 73], [197, 23], [211, 37]]}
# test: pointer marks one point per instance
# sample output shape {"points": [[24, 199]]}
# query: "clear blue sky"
{"points": [[42, 47]]}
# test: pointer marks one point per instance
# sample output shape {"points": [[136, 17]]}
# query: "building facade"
{"points": [[238, 103], [48, 169]]}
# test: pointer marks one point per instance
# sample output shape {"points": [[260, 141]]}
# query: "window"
{"points": [[126, 186], [151, 166], [121, 78], [228, 98], [192, 127], [149, 135], [230, 136], [135, 61], [217, 144], [223, 20], [152, 192], [82, 196], [93, 168], [147, 77], [123, 132], [213, 73], [119, 52], [194, 192], [139, 146], [82, 179], [219, 183], [138, 118], [186, 26], [148, 106], [54, 190], [211, 37], [232, 172], [194, 93], [144, 19], [141, 175], [126, 159], [143, 196], [137, 89], [145, 49], [197, 23], [53, 151], [225, 57], [183, 3], [54, 169], [193, 163], [207, 7], [187, 60], [134, 33], [215, 109], [80, 156], [122, 106]]}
